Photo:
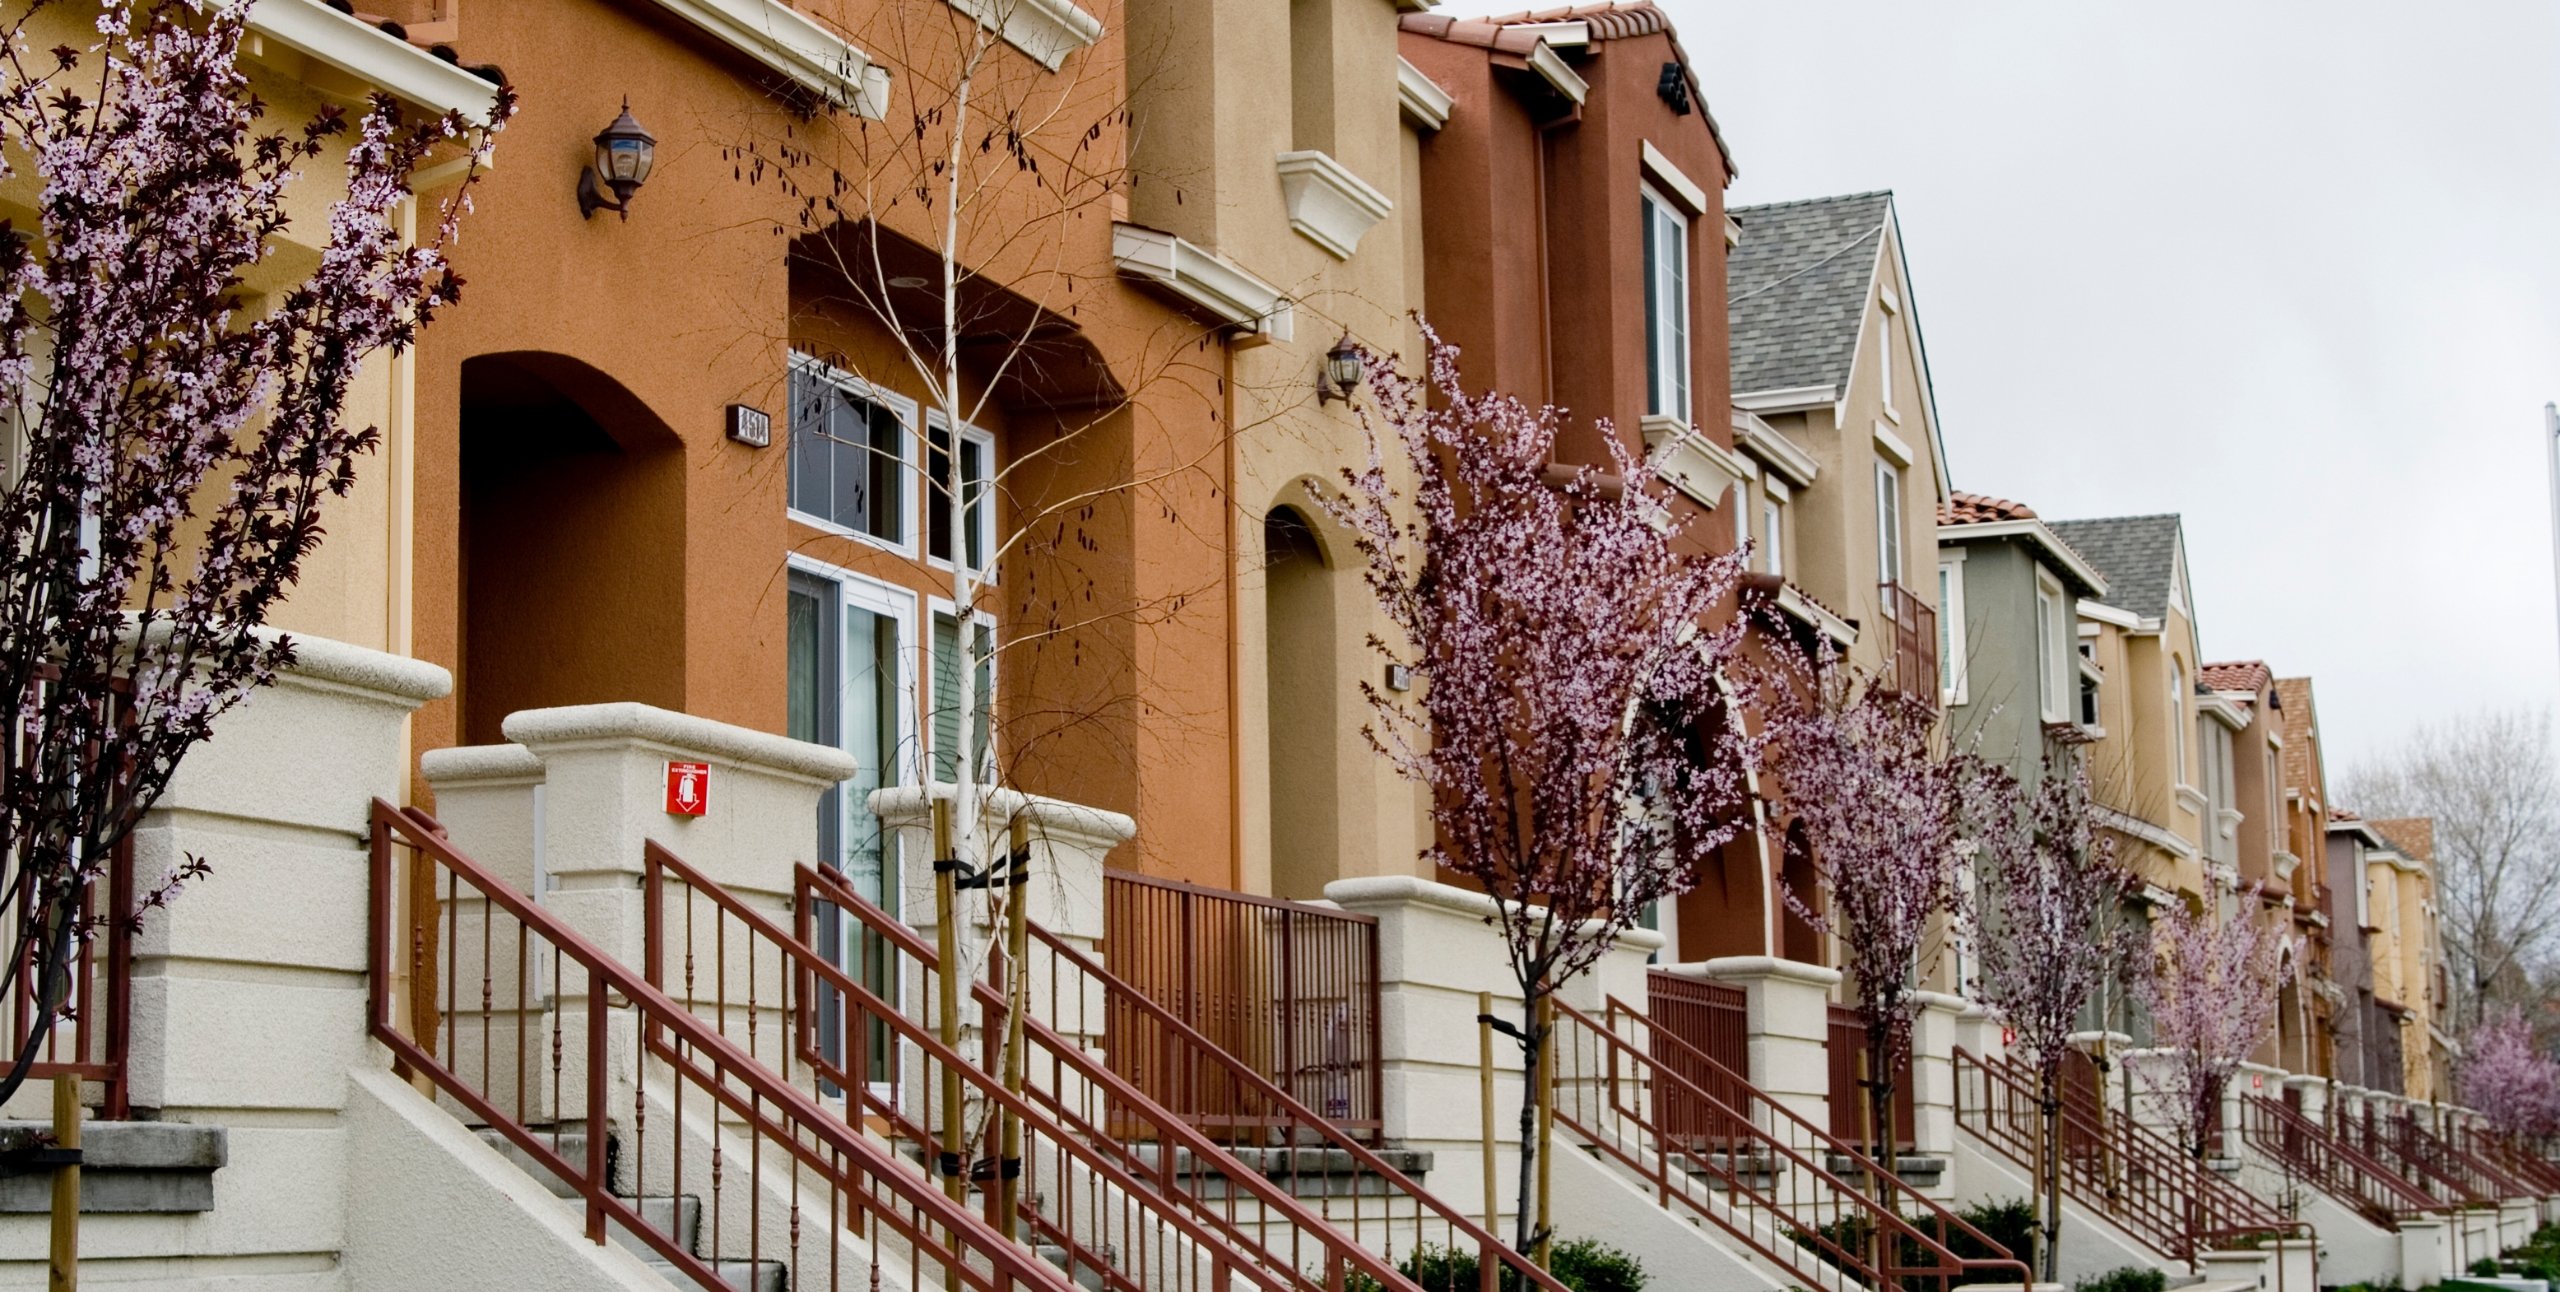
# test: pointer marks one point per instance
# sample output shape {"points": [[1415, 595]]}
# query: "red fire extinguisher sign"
{"points": [[688, 789]]}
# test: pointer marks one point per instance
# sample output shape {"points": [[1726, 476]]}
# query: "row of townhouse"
{"points": [[583, 916]]}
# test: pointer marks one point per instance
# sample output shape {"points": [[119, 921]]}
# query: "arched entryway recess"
{"points": [[571, 553], [1306, 694]]}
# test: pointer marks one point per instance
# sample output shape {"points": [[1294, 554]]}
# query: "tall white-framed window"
{"points": [[1741, 514], [1888, 522], [850, 684], [853, 449], [1666, 307], [975, 489], [942, 707], [1951, 643], [1884, 357], [2054, 641], [2177, 723], [1773, 541]]}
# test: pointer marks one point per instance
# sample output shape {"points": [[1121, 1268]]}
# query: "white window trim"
{"points": [[1884, 366], [936, 607], [911, 459], [1954, 687], [1773, 534], [1888, 478], [1653, 197], [882, 598], [1662, 174], [986, 442], [2057, 686]]}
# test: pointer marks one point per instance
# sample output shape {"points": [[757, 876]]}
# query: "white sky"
{"points": [[2291, 270]]}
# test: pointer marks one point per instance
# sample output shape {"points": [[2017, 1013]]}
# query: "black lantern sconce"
{"points": [[624, 155], [1343, 372]]}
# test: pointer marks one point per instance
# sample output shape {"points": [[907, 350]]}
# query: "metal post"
{"points": [[1484, 1069], [1017, 1001], [64, 1269], [955, 1181]]}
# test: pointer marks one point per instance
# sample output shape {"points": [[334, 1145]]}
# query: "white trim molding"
{"points": [[1892, 446], [370, 55], [1792, 600], [1693, 464], [1793, 399], [1205, 279], [2100, 612], [1773, 449], [1546, 62], [2059, 552], [2135, 827], [1047, 30], [1327, 203], [1420, 98], [792, 43], [1670, 179]]}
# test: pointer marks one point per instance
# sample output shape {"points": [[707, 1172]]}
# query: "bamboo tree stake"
{"points": [[947, 943], [64, 1270], [1484, 1070]]}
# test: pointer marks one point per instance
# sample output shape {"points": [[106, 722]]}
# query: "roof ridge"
{"points": [[1809, 201]]}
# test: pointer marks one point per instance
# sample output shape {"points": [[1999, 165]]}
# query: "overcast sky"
{"points": [[2290, 270]]}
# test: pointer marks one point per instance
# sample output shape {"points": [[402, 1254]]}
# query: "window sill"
{"points": [[1693, 464], [829, 527], [1328, 205], [2192, 799]]}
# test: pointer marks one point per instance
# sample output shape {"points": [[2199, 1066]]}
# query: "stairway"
{"points": [[677, 1216]]}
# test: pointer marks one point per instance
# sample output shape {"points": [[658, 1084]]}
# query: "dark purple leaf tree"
{"points": [[2211, 994], [173, 430], [1567, 717], [2048, 919], [1880, 815]]}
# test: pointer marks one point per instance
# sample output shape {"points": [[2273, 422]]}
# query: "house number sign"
{"points": [[688, 789], [750, 426]]}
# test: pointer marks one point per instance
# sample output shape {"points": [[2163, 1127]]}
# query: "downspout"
{"points": [[1235, 643]]}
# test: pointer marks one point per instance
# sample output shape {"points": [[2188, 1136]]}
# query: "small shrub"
{"points": [[1582, 1264], [1589, 1265], [2130, 1278], [2485, 1267]]}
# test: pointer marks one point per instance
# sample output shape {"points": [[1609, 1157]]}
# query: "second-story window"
{"points": [[1666, 308], [1888, 523], [977, 529], [2177, 723], [2053, 651], [849, 452], [1772, 538], [1884, 358]]}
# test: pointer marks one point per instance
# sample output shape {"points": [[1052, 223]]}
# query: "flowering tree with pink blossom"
{"points": [[176, 421], [2048, 918], [2512, 1085], [1881, 815], [2211, 995], [1567, 717]]}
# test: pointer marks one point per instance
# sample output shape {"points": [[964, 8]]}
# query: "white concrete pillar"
{"points": [[2312, 1094], [2254, 1268], [1786, 1010], [2426, 1252], [2294, 1265], [1933, 1078]]}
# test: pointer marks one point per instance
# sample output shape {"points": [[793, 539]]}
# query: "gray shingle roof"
{"points": [[1797, 288], [2138, 554]]}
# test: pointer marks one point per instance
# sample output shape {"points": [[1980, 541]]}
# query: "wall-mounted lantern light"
{"points": [[624, 154], [1343, 372]]}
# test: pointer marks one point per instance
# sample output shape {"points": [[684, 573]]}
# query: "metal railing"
{"points": [[1309, 1198], [2421, 1156], [719, 1167], [1853, 1093], [2307, 1150], [2519, 1160], [1123, 1217], [1288, 989], [2111, 1164], [1914, 641], [1706, 1017], [92, 1037], [1793, 1194]]}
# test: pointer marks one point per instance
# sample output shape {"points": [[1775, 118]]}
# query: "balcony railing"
{"points": [[1853, 1090], [1290, 990], [1911, 667]]}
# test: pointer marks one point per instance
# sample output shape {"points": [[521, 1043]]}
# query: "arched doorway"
{"points": [[1304, 699], [572, 548]]}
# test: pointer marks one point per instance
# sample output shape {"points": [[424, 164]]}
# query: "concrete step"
{"points": [[1306, 1172], [677, 1216], [569, 1142], [1920, 1172], [1085, 1276]]}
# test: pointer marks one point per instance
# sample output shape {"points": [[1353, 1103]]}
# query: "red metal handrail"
{"points": [[2127, 1172], [1286, 988], [2520, 1161], [1134, 1222], [1845, 1047], [1793, 1193], [2397, 1140], [92, 1039], [543, 994], [1381, 1211], [2307, 1149], [1711, 1018]]}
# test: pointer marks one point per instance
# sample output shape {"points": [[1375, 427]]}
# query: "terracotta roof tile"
{"points": [[2342, 814], [1981, 509], [1606, 20], [2414, 835], [2250, 675]]}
